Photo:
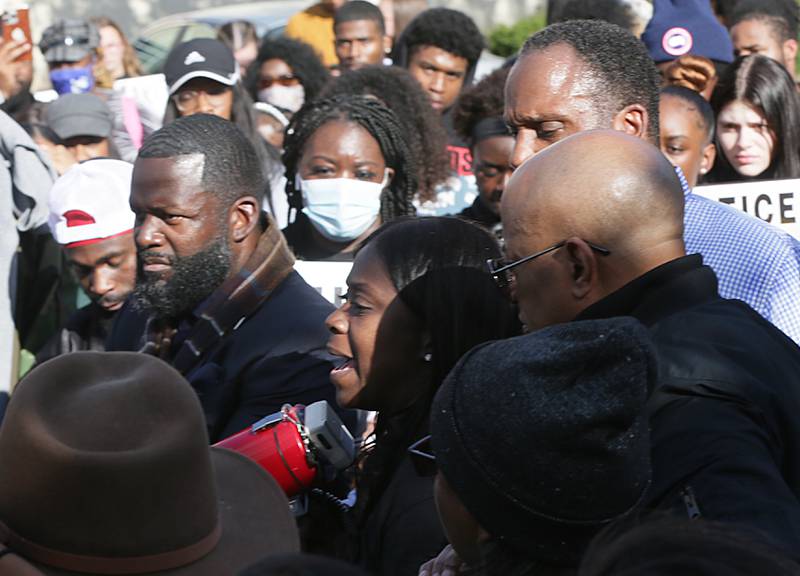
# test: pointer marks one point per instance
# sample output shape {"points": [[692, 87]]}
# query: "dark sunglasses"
{"points": [[422, 457], [500, 268], [284, 80]]}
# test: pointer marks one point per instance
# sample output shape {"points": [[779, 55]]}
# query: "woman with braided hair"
{"points": [[348, 170]]}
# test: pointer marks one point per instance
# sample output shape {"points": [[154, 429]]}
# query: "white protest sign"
{"points": [[774, 201], [150, 94], [329, 278]]}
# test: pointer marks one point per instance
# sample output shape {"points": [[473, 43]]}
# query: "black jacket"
{"points": [[724, 416], [276, 356], [86, 329], [403, 530]]}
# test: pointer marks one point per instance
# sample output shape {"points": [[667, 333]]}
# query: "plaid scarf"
{"points": [[228, 306]]}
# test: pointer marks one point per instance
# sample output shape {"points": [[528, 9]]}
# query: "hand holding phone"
{"points": [[17, 34]]}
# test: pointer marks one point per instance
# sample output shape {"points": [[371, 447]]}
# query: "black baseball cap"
{"points": [[200, 58], [69, 40]]}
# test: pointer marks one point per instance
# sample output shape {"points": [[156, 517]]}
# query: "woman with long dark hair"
{"points": [[758, 122], [419, 297]]}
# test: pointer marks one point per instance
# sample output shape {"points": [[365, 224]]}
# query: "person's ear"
{"points": [[244, 217], [790, 53], [707, 161], [387, 45], [389, 176], [632, 120], [582, 263]]}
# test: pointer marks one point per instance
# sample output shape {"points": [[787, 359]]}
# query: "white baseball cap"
{"points": [[89, 203]]}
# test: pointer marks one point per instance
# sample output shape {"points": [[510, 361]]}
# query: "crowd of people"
{"points": [[553, 357]]}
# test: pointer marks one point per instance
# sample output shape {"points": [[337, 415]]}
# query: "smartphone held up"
{"points": [[17, 28]]}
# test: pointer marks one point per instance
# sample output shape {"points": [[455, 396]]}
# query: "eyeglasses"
{"points": [[500, 268], [422, 457], [283, 80], [186, 100]]}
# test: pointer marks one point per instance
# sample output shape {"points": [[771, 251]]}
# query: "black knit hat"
{"points": [[544, 438]]}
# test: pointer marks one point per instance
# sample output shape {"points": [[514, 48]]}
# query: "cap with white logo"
{"points": [[200, 58], [90, 203]]}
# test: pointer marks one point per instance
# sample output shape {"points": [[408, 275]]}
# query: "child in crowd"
{"points": [[686, 125]]}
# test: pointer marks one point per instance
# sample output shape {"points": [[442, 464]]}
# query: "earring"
{"points": [[427, 357]]}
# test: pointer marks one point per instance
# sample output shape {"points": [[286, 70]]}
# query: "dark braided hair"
{"points": [[382, 124], [231, 169], [425, 133]]}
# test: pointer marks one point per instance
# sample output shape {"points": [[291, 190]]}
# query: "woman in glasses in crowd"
{"points": [[203, 78], [348, 170], [419, 297], [758, 122], [286, 73]]}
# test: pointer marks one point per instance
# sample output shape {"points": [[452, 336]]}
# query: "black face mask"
{"points": [[193, 280]]}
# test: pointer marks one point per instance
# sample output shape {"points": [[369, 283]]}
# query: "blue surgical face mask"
{"points": [[72, 80], [341, 209]]}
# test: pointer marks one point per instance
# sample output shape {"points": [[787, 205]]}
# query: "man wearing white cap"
{"points": [[91, 219]]}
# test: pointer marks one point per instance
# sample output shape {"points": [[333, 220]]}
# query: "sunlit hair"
{"points": [[130, 62], [764, 84]]}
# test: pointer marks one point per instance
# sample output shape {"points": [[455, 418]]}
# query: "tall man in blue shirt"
{"points": [[584, 75]]}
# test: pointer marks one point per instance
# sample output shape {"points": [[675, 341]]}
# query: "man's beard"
{"points": [[193, 280]]}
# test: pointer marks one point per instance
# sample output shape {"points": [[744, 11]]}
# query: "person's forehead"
{"points": [[556, 74], [276, 67], [357, 29], [370, 275], [754, 31], [677, 117], [91, 254], [439, 58], [739, 111], [342, 137], [181, 176]]}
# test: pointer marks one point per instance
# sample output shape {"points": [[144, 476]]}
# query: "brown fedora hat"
{"points": [[105, 469]]}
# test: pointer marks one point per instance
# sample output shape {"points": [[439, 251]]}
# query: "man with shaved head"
{"points": [[581, 194], [603, 211], [583, 75]]}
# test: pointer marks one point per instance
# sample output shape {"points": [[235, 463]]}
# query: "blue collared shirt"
{"points": [[754, 261]]}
